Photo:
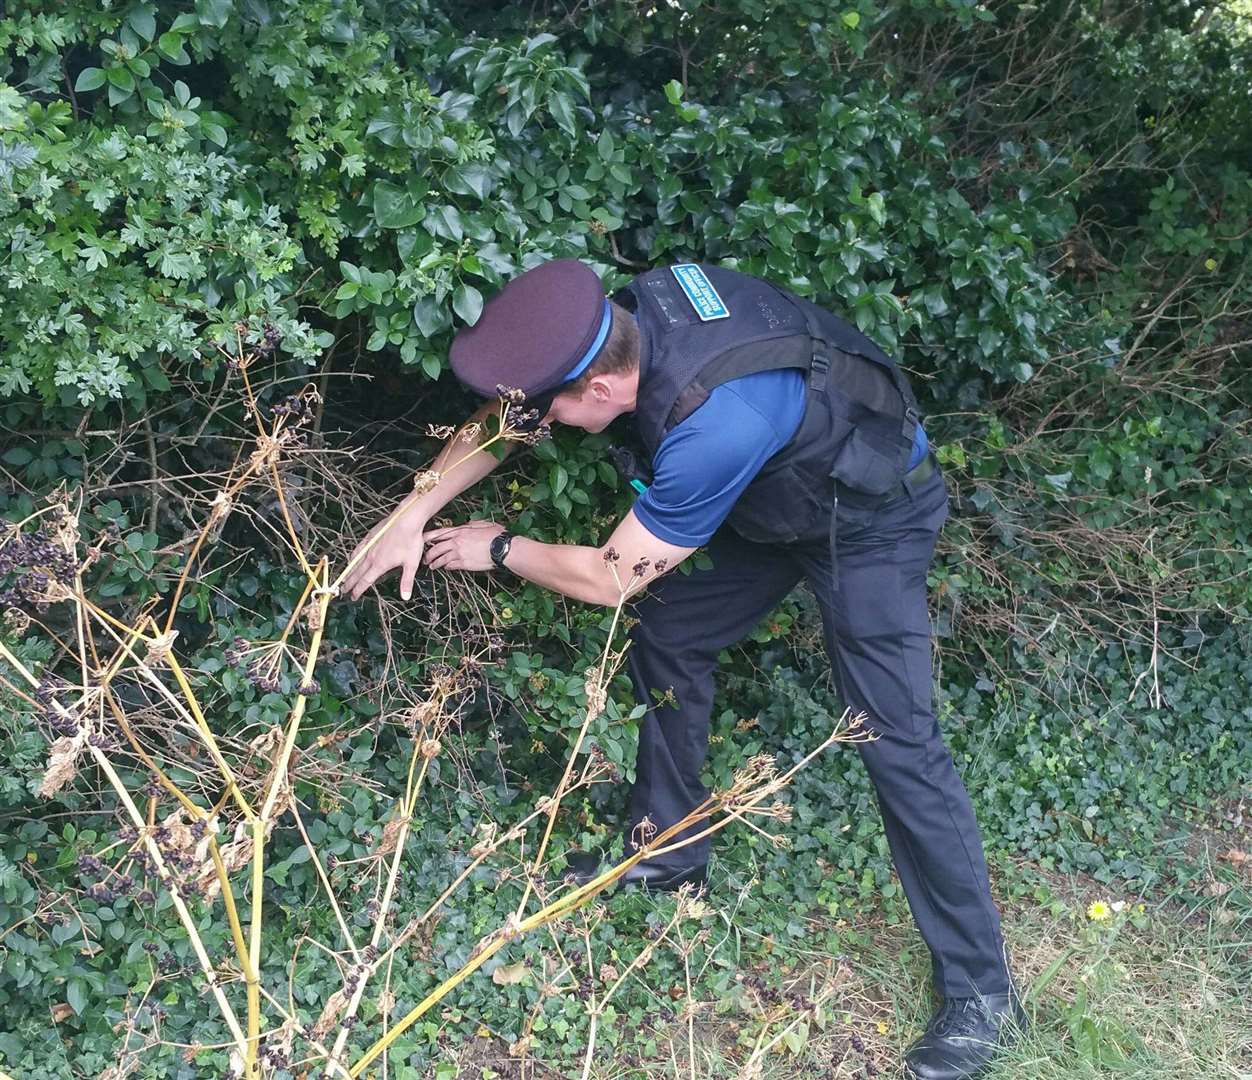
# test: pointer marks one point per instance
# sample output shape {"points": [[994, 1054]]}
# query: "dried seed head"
{"points": [[62, 765], [391, 835], [220, 509], [641, 835], [597, 695], [159, 649], [424, 480]]}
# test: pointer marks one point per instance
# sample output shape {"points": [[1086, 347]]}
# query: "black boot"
{"points": [[582, 867], [964, 1035]]}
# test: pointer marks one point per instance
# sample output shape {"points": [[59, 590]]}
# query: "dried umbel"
{"points": [[296, 408], [427, 714], [62, 765], [268, 449], [391, 835], [160, 648], [424, 480], [42, 564], [220, 509], [597, 696]]}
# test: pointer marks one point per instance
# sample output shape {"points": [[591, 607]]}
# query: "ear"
{"points": [[600, 388]]}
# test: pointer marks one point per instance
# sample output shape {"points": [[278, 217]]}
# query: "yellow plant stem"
{"points": [[278, 780], [194, 811], [321, 876], [154, 852], [191, 712], [206, 733], [412, 788], [577, 897], [296, 611], [291, 528], [559, 794]]}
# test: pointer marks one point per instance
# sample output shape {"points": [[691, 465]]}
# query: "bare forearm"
{"points": [[575, 571], [461, 463]]}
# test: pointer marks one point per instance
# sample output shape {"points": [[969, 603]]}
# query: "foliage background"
{"points": [[1043, 208]]}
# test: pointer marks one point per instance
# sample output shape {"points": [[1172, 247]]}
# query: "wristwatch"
{"points": [[500, 548]]}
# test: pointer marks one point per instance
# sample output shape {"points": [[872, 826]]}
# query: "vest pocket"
{"points": [[864, 467], [780, 506]]}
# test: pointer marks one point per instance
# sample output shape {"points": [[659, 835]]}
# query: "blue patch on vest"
{"points": [[699, 289]]}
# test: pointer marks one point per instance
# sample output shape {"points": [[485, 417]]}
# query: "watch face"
{"points": [[499, 547]]}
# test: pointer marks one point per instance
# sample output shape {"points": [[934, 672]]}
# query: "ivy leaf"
{"points": [[673, 91], [91, 78], [471, 179], [467, 302], [395, 207]]}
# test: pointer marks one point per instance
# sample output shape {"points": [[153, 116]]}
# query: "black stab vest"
{"points": [[859, 418]]}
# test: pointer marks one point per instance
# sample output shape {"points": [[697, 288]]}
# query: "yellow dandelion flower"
{"points": [[883, 1027], [1098, 911]]}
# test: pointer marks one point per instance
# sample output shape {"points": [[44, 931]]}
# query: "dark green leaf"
{"points": [[121, 78], [91, 78], [142, 22], [467, 302], [394, 207]]}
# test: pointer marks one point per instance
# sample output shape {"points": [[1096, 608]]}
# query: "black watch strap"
{"points": [[500, 545]]}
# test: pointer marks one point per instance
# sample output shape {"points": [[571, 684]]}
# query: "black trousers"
{"points": [[877, 631]]}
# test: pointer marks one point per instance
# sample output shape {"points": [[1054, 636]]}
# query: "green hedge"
{"points": [[1041, 211]]}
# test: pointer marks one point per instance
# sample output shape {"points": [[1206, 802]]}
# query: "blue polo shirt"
{"points": [[703, 465]]}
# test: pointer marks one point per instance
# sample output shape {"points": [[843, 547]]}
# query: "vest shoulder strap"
{"points": [[750, 358]]}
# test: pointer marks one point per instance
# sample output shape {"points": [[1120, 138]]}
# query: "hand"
{"points": [[401, 546], [462, 547]]}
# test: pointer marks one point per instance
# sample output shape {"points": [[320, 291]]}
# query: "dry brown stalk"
{"points": [[144, 650]]}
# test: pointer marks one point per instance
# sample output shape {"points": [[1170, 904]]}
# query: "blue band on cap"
{"points": [[596, 345]]}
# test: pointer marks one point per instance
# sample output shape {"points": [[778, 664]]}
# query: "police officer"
{"points": [[789, 444]]}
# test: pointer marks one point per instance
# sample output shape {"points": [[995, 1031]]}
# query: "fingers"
{"points": [[364, 576], [407, 574], [442, 556]]}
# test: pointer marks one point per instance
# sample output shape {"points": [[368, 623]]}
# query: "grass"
{"points": [[1163, 993]]}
